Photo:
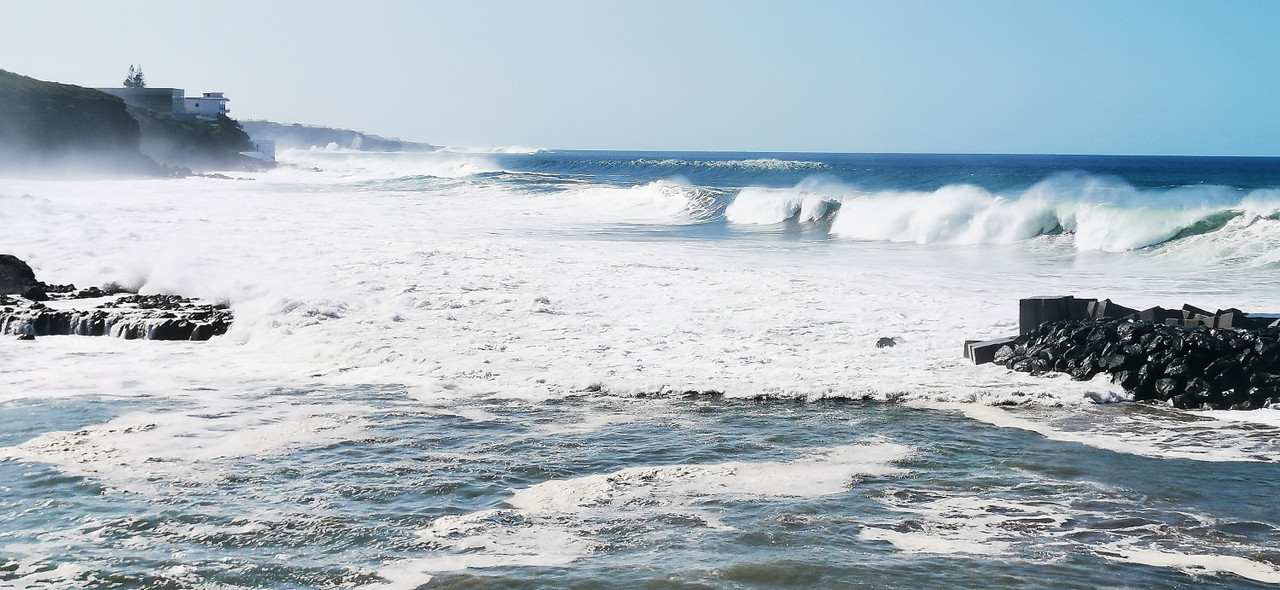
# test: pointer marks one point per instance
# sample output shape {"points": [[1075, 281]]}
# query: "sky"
{"points": [[973, 76]]}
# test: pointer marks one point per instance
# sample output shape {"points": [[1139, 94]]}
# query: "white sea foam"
{"points": [[767, 206], [340, 165], [827, 472], [460, 289], [1215, 436], [1105, 217], [559, 521], [663, 201], [959, 214], [974, 524], [749, 164], [989, 523], [510, 149], [136, 451], [490, 538], [963, 214], [482, 289], [1196, 564], [31, 574]]}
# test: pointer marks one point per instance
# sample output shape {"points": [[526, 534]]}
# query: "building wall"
{"points": [[208, 106], [161, 100]]}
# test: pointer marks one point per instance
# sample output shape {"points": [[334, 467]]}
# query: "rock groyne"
{"points": [[1188, 358]]}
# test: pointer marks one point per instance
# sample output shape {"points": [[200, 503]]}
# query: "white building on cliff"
{"points": [[172, 101], [207, 107]]}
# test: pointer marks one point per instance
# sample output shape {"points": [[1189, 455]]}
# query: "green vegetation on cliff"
{"points": [[45, 125]]}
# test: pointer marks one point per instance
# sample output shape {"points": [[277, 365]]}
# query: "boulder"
{"points": [[989, 350], [1184, 366], [16, 277]]}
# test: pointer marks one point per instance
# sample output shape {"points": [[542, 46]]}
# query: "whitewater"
{"points": [[532, 368]]}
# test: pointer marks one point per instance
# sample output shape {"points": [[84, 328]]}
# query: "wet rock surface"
{"points": [[29, 308], [1188, 358], [148, 317], [15, 276], [1183, 366]]}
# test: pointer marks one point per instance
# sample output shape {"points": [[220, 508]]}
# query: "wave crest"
{"points": [[761, 206], [672, 201], [744, 164], [1100, 214]]}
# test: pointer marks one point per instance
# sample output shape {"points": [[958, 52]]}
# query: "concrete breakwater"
{"points": [[40, 309], [1188, 358]]}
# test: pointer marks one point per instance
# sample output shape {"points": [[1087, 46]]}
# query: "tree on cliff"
{"points": [[135, 79]]}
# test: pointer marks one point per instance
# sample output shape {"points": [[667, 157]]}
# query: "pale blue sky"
{"points": [[1144, 77]]}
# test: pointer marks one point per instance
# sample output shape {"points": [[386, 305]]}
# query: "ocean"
{"points": [[578, 369]]}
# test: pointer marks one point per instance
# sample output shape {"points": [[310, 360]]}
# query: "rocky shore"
{"points": [[30, 308], [1187, 359]]}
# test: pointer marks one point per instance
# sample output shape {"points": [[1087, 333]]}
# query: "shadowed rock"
{"points": [[15, 276]]}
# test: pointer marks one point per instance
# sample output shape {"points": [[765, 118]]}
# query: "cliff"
{"points": [[308, 136], [47, 127], [194, 145]]}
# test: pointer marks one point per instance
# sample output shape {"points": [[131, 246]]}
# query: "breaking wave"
{"points": [[744, 164], [1098, 215], [669, 201]]}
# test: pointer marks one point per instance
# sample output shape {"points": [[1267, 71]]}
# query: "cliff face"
{"points": [[50, 127], [308, 136], [194, 145]]}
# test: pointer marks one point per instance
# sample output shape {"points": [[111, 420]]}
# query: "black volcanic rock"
{"points": [[1185, 366], [15, 276], [145, 317], [55, 310]]}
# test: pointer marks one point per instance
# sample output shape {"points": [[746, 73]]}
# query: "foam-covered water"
{"points": [[531, 368]]}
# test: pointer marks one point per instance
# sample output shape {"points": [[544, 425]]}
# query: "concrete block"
{"points": [[1035, 311], [1108, 309], [1158, 315], [1190, 311], [983, 352], [1234, 319]]}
